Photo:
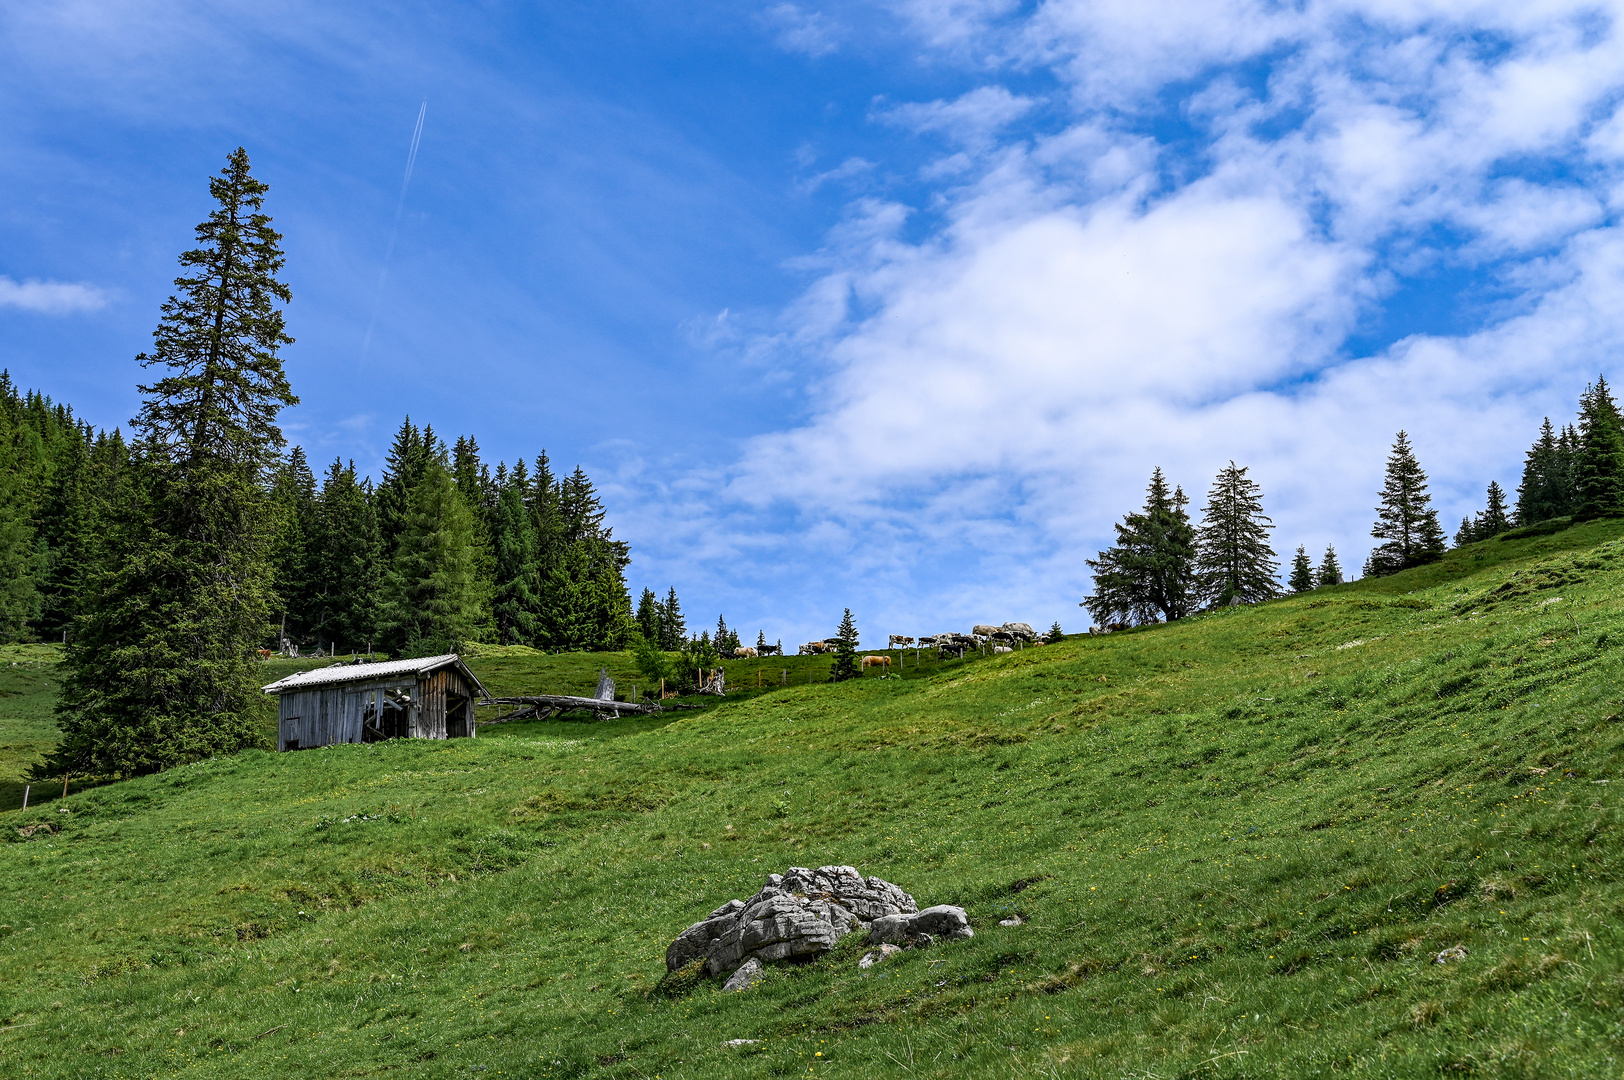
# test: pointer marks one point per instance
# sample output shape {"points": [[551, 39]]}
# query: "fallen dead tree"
{"points": [[543, 706]]}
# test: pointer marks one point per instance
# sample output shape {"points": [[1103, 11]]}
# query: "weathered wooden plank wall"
{"points": [[431, 718], [322, 717]]}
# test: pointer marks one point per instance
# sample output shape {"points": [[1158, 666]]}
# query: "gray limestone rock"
{"points": [[878, 956], [750, 972], [780, 927], [944, 922], [797, 915], [693, 943]]}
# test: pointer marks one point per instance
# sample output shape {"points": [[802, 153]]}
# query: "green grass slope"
{"points": [[1238, 842]]}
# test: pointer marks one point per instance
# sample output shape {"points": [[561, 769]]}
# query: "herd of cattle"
{"points": [[1001, 639]]}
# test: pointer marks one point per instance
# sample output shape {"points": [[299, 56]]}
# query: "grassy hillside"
{"points": [[1239, 843]]}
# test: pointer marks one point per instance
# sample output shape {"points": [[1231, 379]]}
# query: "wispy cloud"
{"points": [[50, 297], [849, 169], [802, 31], [972, 119]]}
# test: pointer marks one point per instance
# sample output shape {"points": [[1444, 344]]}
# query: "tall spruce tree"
{"points": [[293, 500], [160, 670], [517, 570], [588, 605], [1489, 522], [346, 560], [648, 617], [432, 600], [21, 562], [1598, 464], [1150, 572], [1233, 558], [408, 458], [1496, 517], [1302, 571], [845, 665], [68, 509], [1546, 490], [673, 627], [473, 479], [1329, 571], [1405, 519]]}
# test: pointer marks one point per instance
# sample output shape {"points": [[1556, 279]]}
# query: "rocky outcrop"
{"points": [[801, 914]]}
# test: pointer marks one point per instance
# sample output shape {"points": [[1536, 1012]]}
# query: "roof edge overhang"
{"points": [[339, 675]]}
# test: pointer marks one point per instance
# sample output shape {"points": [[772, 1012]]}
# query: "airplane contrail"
{"points": [[394, 232]]}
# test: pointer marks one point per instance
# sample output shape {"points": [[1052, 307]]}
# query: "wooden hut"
{"points": [[431, 698]]}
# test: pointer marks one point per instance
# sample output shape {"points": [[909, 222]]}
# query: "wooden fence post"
{"points": [[26, 789]]}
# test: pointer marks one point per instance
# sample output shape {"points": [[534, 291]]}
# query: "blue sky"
{"points": [[889, 305]]}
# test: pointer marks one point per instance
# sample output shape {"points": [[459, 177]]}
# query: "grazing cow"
{"points": [[900, 642], [984, 631], [746, 653], [815, 648], [876, 661]]}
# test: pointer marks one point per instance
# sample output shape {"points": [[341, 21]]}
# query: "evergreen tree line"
{"points": [[438, 553], [60, 483], [442, 551], [1163, 567]]}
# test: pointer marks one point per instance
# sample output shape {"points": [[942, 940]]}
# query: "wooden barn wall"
{"points": [[328, 715], [431, 716]]}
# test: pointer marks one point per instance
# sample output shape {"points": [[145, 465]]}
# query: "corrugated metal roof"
{"points": [[344, 673]]}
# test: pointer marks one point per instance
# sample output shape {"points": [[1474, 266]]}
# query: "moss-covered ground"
{"points": [[1239, 843]]}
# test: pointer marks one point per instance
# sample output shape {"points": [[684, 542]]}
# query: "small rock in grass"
{"points": [[1013, 920], [749, 973], [883, 953], [1451, 954], [922, 928], [742, 1042]]}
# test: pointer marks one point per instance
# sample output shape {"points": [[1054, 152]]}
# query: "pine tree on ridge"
{"points": [[1302, 571], [1405, 518], [1233, 556]]}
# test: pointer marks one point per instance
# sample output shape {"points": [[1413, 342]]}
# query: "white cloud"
{"points": [[972, 119], [799, 30], [953, 24], [849, 169], [50, 297]]}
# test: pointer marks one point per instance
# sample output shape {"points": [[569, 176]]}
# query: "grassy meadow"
{"points": [[1238, 843]]}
